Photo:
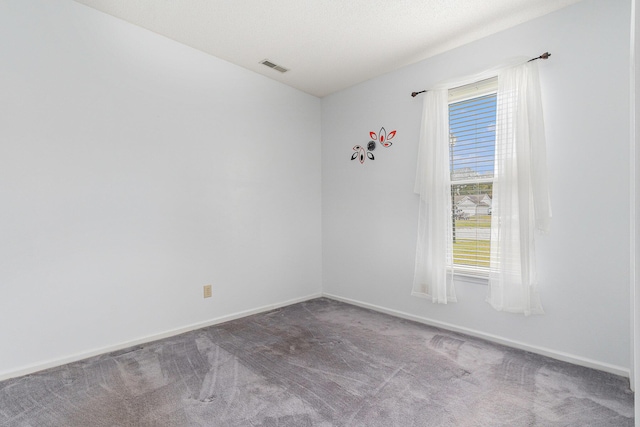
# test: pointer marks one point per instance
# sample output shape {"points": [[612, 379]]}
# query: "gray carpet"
{"points": [[318, 363]]}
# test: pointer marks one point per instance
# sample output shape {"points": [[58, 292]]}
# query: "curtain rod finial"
{"points": [[545, 55]]}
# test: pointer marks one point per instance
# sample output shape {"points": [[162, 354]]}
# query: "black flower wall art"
{"points": [[381, 138]]}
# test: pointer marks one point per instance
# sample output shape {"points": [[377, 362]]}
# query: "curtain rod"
{"points": [[545, 55]]}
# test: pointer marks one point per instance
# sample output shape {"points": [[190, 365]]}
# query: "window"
{"points": [[482, 171], [472, 130]]}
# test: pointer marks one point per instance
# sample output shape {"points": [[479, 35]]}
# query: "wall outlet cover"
{"points": [[207, 291]]}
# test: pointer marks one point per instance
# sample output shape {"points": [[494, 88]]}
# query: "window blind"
{"points": [[472, 121]]}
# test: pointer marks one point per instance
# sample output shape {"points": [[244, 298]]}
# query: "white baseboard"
{"points": [[149, 338], [565, 357]]}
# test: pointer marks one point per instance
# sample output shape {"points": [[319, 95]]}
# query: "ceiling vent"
{"points": [[274, 66]]}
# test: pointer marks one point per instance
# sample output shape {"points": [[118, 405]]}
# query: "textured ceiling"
{"points": [[327, 45]]}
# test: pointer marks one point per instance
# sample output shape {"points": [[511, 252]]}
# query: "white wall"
{"points": [[370, 212], [134, 170]]}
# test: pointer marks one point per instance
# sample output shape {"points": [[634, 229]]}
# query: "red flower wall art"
{"points": [[362, 153]]}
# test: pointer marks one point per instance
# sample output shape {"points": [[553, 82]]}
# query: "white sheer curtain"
{"points": [[520, 204], [433, 278]]}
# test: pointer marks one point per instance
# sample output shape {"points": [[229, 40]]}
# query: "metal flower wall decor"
{"points": [[362, 153]]}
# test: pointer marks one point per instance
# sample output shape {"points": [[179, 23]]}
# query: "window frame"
{"points": [[461, 272]]}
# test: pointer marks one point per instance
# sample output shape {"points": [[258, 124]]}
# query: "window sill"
{"points": [[470, 277]]}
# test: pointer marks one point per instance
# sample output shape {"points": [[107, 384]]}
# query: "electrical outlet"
{"points": [[207, 291]]}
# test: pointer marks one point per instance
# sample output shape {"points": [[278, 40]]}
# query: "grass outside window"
{"points": [[471, 252]]}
